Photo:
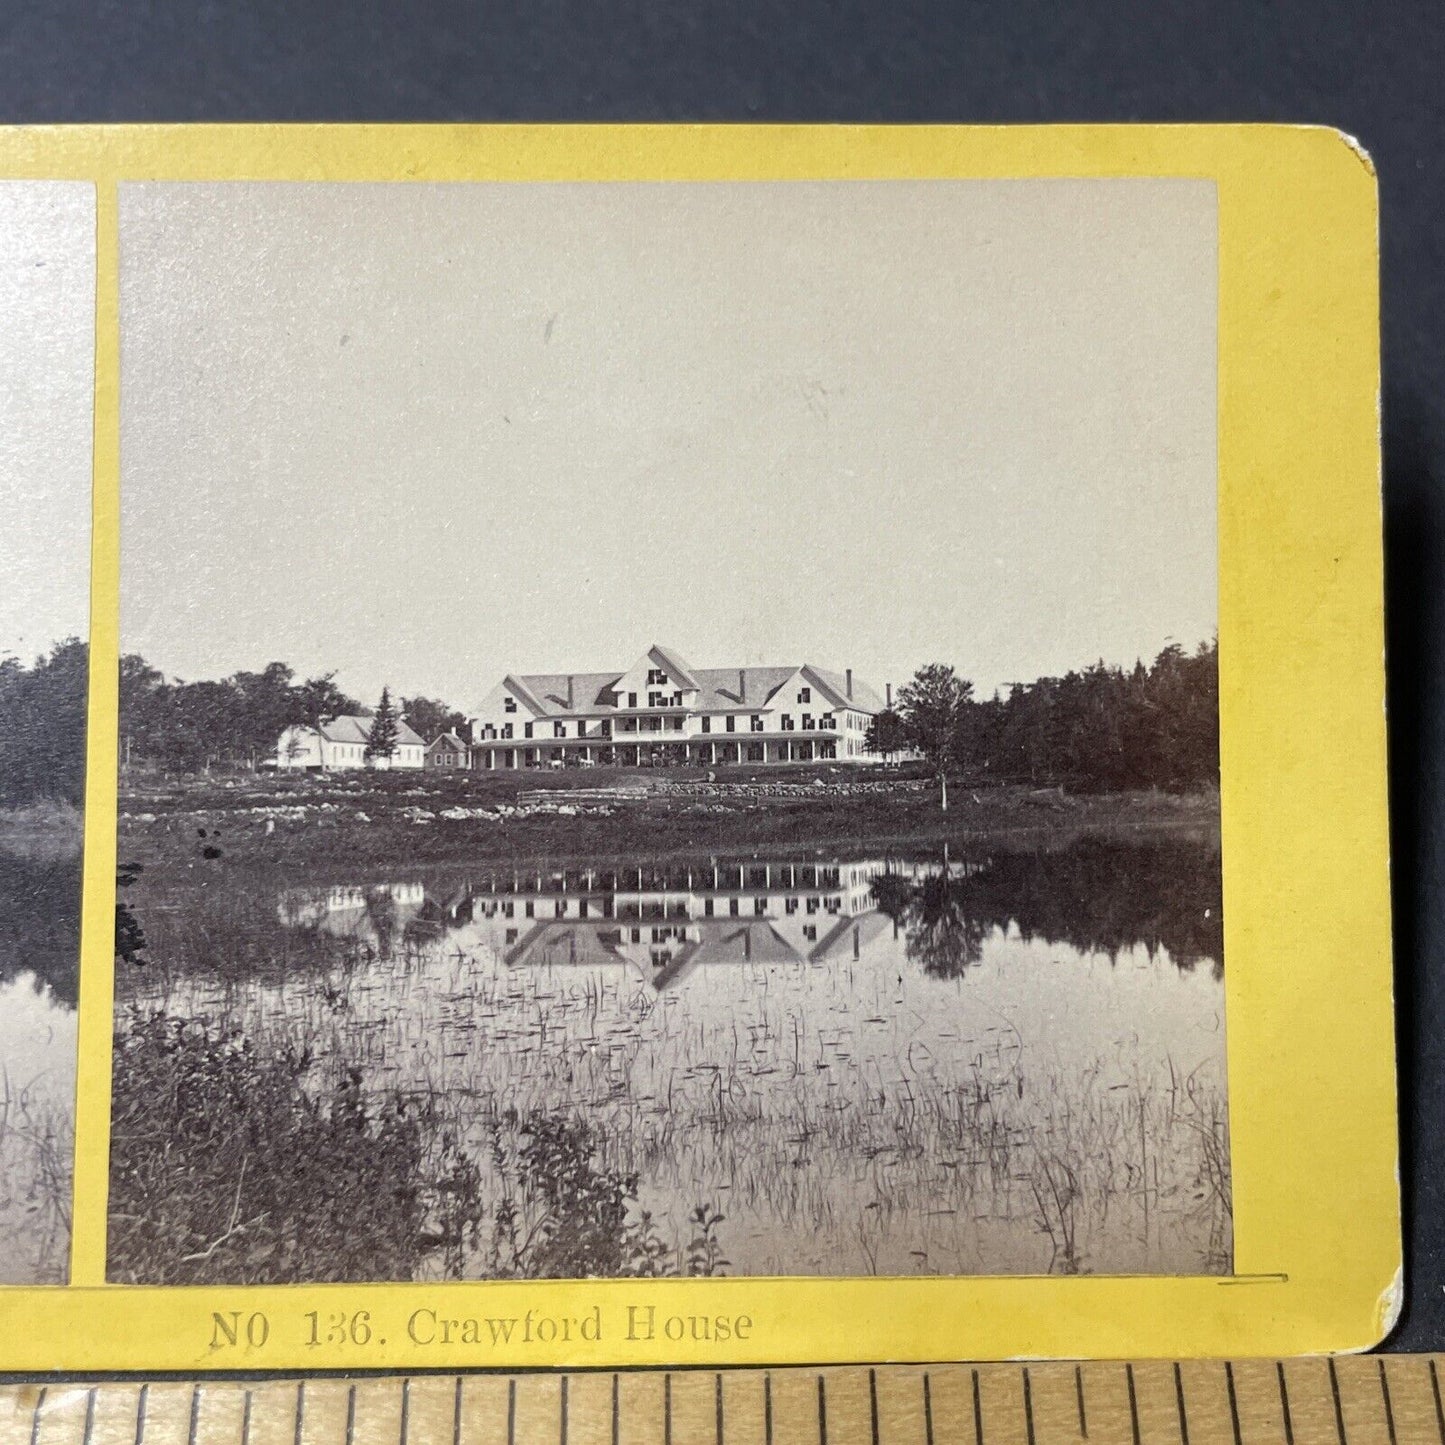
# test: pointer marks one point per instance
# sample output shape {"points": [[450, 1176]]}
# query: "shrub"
{"points": [[225, 1169]]}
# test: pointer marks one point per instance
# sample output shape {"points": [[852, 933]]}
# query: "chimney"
{"points": [[889, 686], [742, 684], [569, 692], [849, 676]]}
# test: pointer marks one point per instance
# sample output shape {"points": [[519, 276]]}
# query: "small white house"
{"points": [[341, 744], [446, 751]]}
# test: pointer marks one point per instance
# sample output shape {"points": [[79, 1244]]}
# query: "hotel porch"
{"points": [[656, 752]]}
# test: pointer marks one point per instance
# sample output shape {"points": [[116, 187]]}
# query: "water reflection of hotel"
{"points": [[661, 921]]}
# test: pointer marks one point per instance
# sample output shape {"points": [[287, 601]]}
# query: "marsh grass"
{"points": [[831, 1137], [39, 976], [226, 1167], [37, 1139], [1012, 1063], [238, 1164]]}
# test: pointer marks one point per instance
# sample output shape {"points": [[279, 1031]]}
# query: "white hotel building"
{"points": [[661, 711]]}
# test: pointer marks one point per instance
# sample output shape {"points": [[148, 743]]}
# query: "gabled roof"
{"points": [[839, 938], [351, 729], [346, 729], [864, 698], [560, 942], [518, 685], [546, 692], [674, 664], [724, 687], [447, 740]]}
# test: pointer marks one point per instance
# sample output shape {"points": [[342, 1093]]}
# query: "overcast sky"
{"points": [[47, 371], [428, 434]]}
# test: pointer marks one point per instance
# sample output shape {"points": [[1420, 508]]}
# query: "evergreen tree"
{"points": [[382, 742]]}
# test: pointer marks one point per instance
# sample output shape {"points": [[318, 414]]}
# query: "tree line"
{"points": [[178, 726], [42, 726], [1105, 728]]}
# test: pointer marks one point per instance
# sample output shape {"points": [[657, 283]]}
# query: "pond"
{"points": [[39, 954], [984, 1062]]}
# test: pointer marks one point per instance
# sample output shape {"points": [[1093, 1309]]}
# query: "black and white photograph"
{"points": [[47, 329], [667, 729]]}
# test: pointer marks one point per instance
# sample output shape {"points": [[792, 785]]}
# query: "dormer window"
{"points": [[509, 704]]}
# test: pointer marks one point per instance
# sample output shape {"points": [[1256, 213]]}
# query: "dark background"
{"points": [[1375, 70]]}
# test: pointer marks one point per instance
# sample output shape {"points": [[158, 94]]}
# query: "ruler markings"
{"points": [[1233, 1401], [1339, 1408], [1284, 1411], [1360, 1400], [1389, 1408]]}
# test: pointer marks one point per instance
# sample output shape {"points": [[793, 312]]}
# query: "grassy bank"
{"points": [[380, 820]]}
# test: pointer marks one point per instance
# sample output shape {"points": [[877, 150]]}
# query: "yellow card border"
{"points": [[1308, 978]]}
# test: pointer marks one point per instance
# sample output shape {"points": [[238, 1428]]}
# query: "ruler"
{"points": [[1350, 1400]]}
